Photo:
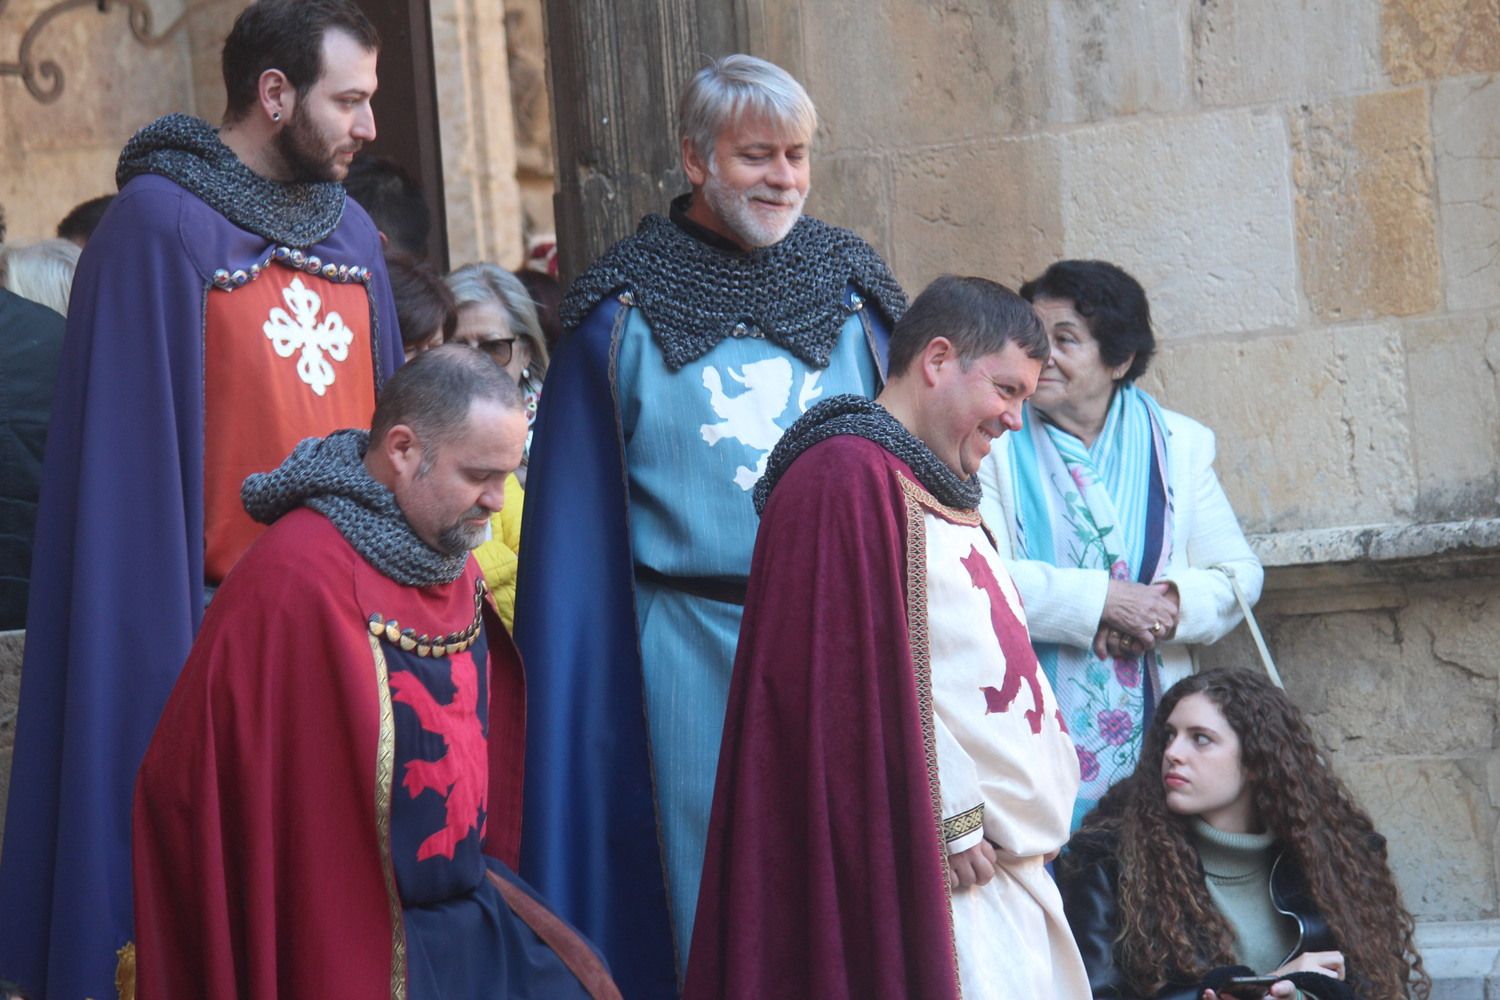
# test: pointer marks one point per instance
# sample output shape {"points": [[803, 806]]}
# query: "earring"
{"points": [[276, 116], [526, 373]]}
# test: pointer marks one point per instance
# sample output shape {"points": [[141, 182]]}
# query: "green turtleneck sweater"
{"points": [[1238, 870]]}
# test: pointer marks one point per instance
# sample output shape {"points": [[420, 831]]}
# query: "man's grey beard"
{"points": [[733, 207], [459, 537]]}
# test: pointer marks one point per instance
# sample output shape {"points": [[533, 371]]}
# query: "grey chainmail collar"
{"points": [[329, 475], [695, 295], [187, 151], [852, 414]]}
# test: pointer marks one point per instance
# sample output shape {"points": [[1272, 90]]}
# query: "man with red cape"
{"points": [[894, 772], [331, 803]]}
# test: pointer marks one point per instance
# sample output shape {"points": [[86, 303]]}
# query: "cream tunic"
{"points": [[1006, 768]]}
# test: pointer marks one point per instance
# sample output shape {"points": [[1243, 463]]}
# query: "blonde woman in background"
{"points": [[41, 272], [496, 315]]}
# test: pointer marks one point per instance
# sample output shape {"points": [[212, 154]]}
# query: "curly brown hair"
{"points": [[1168, 924]]}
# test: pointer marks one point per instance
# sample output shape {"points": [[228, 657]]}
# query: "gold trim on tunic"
{"points": [[385, 771], [965, 823], [918, 500]]}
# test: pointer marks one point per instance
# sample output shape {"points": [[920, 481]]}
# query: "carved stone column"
{"points": [[478, 132]]}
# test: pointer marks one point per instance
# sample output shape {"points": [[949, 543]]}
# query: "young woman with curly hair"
{"points": [[1234, 851]]}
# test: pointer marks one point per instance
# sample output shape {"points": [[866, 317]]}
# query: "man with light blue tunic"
{"points": [[691, 346]]}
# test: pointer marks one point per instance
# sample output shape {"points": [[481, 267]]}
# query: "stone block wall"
{"points": [[1309, 193], [536, 173], [55, 155]]}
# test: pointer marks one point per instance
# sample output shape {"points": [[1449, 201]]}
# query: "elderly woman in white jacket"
{"points": [[1115, 528]]}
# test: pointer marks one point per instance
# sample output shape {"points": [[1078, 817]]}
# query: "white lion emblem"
{"points": [[750, 417]]}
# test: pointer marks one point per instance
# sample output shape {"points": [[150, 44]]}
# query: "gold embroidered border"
{"points": [[385, 772], [964, 823], [921, 658], [915, 492]]}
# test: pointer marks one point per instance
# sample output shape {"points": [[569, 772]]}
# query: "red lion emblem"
{"points": [[460, 775], [1020, 659]]}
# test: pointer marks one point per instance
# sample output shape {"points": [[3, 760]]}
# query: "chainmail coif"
{"points": [[851, 414], [329, 475], [188, 151], [694, 295]]}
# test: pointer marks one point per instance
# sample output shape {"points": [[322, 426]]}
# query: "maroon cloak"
{"points": [[262, 810], [826, 873]]}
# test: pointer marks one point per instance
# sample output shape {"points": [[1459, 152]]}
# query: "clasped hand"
{"points": [[1137, 617], [975, 866], [978, 864]]}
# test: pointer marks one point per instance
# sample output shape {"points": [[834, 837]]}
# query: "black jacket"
{"points": [[31, 339], [1088, 879]]}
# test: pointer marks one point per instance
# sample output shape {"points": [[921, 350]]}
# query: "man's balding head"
{"points": [[449, 429], [434, 392]]}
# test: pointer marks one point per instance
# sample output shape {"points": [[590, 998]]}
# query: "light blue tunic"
{"points": [[696, 440]]}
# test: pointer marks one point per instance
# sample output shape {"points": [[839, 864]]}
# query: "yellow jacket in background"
{"points": [[497, 557]]}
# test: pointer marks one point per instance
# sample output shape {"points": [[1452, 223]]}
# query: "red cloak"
{"points": [[826, 872], [261, 861]]}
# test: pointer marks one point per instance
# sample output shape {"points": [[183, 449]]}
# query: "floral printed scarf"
{"points": [[1105, 507]]}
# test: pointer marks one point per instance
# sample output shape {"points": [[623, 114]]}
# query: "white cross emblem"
{"points": [[301, 330]]}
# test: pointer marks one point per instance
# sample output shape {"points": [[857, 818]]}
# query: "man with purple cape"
{"points": [[232, 302]]}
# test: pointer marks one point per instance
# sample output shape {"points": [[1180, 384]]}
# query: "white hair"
{"points": [[494, 284], [737, 85], [41, 272]]}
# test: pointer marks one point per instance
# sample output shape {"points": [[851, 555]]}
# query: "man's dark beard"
{"points": [[307, 159]]}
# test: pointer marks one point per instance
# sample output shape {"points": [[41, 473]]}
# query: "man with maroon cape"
{"points": [[331, 803], [894, 772]]}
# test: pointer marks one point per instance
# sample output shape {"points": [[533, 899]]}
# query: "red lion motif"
{"points": [[460, 775], [1020, 659]]}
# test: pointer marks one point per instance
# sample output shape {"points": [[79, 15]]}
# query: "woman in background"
{"points": [[497, 316], [1234, 850], [1111, 520]]}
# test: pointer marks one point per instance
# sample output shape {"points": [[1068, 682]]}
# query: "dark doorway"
{"points": [[406, 114]]}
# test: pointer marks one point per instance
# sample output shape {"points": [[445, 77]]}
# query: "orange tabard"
{"points": [[287, 356]]}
